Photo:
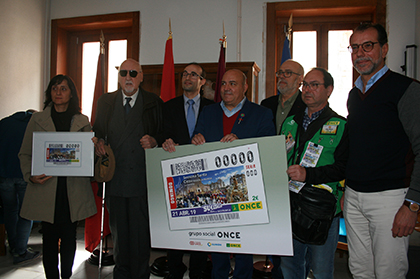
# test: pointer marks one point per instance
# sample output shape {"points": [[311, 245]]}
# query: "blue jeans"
{"points": [[221, 266], [321, 257], [12, 191]]}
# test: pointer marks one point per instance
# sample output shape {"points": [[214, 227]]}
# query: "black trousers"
{"points": [[129, 224], [197, 263], [51, 233]]}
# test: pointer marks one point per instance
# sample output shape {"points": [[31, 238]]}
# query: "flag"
{"points": [[93, 223], [285, 55], [99, 88], [167, 88], [221, 69]]}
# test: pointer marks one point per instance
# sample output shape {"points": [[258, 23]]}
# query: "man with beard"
{"points": [[283, 105], [180, 116], [383, 172], [130, 121], [288, 102]]}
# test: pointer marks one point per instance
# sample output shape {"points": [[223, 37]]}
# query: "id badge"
{"points": [[311, 156]]}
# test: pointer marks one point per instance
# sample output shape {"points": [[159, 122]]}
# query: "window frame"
{"points": [[69, 34], [321, 16]]}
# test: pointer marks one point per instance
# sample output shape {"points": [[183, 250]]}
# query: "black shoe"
{"points": [[176, 276], [172, 276], [27, 256]]}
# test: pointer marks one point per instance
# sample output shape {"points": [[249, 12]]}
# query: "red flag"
{"points": [[93, 223], [99, 87], [167, 88], [221, 69]]}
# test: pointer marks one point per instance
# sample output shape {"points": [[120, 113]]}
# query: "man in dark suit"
{"points": [[288, 102], [129, 120], [233, 118], [180, 116]]}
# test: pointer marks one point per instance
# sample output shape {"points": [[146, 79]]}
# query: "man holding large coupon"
{"points": [[233, 118]]}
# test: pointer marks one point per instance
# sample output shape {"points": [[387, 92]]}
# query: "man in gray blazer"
{"points": [[129, 120]]}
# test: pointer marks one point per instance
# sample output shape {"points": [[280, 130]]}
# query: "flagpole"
{"points": [[221, 66], [286, 54], [167, 87]]}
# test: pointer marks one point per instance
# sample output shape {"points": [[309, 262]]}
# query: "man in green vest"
{"points": [[317, 151]]}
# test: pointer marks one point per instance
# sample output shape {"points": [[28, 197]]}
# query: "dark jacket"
{"points": [[151, 116], [123, 133], [253, 121], [273, 101], [12, 130], [175, 124]]}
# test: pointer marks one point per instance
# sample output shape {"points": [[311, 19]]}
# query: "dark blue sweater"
{"points": [[380, 152]]}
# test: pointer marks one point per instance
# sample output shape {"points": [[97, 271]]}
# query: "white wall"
{"points": [[196, 24], [401, 18], [22, 33]]}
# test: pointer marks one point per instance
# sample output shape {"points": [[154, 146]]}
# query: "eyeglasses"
{"points": [[133, 73], [366, 46], [286, 73], [312, 85], [193, 75]]}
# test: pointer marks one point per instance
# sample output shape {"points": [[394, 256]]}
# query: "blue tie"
{"points": [[127, 105], [190, 117]]}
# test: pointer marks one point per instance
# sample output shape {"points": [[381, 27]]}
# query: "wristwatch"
{"points": [[412, 206]]}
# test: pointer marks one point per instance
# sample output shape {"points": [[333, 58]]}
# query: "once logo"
{"points": [[229, 235]]}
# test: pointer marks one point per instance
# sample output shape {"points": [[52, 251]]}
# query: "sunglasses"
{"points": [[133, 73]]}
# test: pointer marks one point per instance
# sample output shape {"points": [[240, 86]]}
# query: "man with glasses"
{"points": [[129, 120], [383, 171], [288, 102], [180, 116], [320, 133]]}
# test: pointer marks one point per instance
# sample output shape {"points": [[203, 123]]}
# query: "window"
{"points": [[320, 27], [305, 51], [73, 38], [117, 52]]}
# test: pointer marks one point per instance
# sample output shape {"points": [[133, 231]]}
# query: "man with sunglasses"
{"points": [[180, 116], [381, 203], [129, 120], [288, 101], [318, 133]]}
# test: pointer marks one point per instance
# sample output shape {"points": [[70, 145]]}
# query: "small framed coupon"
{"points": [[62, 153]]}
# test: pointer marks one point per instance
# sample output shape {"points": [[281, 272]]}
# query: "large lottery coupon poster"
{"points": [[221, 197]]}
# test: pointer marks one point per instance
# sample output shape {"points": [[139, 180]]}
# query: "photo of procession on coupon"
{"points": [[215, 189]]}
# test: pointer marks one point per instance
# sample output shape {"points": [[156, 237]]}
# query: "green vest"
{"points": [[329, 136]]}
